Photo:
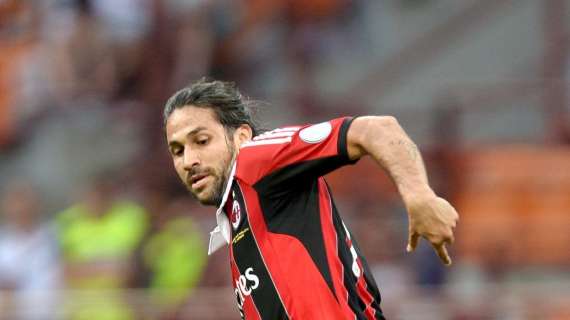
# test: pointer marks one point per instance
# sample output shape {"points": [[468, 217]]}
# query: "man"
{"points": [[292, 257], [30, 268]]}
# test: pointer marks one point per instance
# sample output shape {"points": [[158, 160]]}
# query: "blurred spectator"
{"points": [[98, 237], [172, 258], [193, 41], [17, 33], [82, 83], [87, 65], [29, 261], [123, 20]]}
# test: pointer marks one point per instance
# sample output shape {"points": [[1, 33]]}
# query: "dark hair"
{"points": [[231, 108]]}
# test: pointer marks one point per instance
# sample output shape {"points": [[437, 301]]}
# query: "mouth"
{"points": [[198, 181]]}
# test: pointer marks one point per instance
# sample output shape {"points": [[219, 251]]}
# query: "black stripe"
{"points": [[343, 140], [247, 255], [371, 286], [350, 281], [298, 215]]}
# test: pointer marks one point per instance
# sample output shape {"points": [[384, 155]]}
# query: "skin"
{"points": [[430, 216], [202, 151]]}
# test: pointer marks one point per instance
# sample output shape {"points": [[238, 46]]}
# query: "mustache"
{"points": [[198, 170]]}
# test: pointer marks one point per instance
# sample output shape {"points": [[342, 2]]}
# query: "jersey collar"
{"points": [[220, 236]]}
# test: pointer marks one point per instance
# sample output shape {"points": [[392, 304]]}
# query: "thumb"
{"points": [[413, 238]]}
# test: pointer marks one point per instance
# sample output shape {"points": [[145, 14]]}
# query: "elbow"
{"points": [[374, 127], [389, 122], [391, 129], [383, 123], [369, 130]]}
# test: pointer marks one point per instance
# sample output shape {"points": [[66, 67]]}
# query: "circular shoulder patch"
{"points": [[316, 133]]}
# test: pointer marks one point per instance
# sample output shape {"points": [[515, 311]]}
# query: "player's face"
{"points": [[201, 152]]}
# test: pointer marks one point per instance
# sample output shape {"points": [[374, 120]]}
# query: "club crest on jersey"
{"points": [[235, 216], [316, 133]]}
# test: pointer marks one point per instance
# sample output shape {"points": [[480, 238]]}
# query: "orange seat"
{"points": [[516, 198]]}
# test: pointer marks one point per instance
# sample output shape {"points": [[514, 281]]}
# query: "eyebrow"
{"points": [[195, 131], [192, 132]]}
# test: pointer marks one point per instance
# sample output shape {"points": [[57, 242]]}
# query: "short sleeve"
{"points": [[283, 158]]}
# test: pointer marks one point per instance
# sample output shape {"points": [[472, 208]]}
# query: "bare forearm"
{"points": [[430, 217], [386, 142]]}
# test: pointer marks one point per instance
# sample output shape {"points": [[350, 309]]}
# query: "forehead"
{"points": [[184, 120]]}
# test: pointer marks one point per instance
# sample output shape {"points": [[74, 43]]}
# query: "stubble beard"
{"points": [[220, 181]]}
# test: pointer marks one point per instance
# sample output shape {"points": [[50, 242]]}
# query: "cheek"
{"points": [[223, 160], [179, 168], [214, 159]]}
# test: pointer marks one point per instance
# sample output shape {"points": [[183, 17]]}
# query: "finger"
{"points": [[442, 253], [412, 241], [450, 239]]}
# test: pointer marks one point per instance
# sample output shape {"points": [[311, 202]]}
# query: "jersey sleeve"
{"points": [[282, 158]]}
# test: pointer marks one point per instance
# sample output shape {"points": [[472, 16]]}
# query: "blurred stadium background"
{"points": [[94, 224]]}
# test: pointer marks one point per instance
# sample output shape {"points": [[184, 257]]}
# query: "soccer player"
{"points": [[291, 255]]}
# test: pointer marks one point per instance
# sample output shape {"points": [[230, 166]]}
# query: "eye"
{"points": [[176, 152], [202, 141]]}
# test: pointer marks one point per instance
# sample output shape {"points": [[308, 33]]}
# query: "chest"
{"points": [[241, 214]]}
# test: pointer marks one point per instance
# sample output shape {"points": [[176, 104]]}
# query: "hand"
{"points": [[434, 219]]}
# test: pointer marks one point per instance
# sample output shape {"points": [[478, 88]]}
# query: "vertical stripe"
{"points": [[246, 306], [331, 244], [365, 296], [259, 234]]}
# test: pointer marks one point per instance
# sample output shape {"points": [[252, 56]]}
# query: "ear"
{"points": [[242, 134]]}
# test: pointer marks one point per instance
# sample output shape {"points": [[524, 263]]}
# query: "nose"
{"points": [[191, 159]]}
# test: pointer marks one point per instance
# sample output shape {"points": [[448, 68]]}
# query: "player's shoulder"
{"points": [[273, 137], [257, 156], [308, 133], [285, 145]]}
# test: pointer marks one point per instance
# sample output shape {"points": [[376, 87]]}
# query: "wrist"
{"points": [[415, 198]]}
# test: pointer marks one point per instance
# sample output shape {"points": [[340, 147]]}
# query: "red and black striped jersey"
{"points": [[291, 255]]}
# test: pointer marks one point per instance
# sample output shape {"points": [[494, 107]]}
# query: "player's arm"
{"points": [[430, 216]]}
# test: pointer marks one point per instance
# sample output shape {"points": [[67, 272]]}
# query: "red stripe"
{"points": [[250, 310], [362, 288], [312, 297], [330, 237], [270, 257], [303, 291], [366, 297]]}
